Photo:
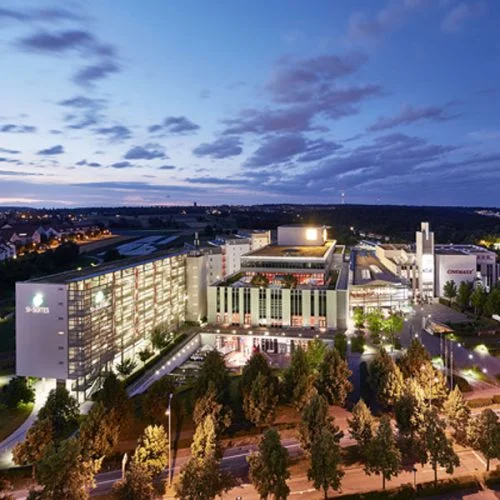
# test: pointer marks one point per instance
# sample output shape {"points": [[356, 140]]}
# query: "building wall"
{"points": [[259, 239], [234, 249], [425, 260], [196, 284], [301, 235], [457, 268], [41, 330]]}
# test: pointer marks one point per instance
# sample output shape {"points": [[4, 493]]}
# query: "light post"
{"points": [[124, 464], [414, 477], [169, 414]]}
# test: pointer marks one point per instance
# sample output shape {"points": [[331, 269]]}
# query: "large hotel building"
{"points": [[74, 326]]}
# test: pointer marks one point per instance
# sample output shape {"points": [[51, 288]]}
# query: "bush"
{"points": [[479, 402], [358, 343], [447, 486]]}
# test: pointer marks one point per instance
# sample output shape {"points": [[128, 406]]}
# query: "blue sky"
{"points": [[158, 102]]}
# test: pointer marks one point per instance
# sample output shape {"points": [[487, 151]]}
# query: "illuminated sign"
{"points": [[100, 301], [460, 271], [37, 305], [311, 234]]}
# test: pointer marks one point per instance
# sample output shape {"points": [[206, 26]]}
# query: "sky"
{"points": [[276, 101]]}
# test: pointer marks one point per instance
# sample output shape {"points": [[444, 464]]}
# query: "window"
{"points": [[218, 300], [262, 303], [225, 300], [312, 303], [246, 300], [276, 305], [236, 300], [322, 302], [296, 302]]}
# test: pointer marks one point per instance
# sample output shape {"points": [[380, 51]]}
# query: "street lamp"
{"points": [[414, 477], [169, 414]]}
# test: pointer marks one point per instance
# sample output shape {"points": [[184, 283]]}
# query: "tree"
{"points": [[478, 299], [315, 354], [315, 417], [159, 337], [392, 326], [492, 305], [457, 414], [269, 467], [410, 410], [464, 294], [17, 391], [31, 450], [413, 359], [137, 485], [63, 473], [385, 379], [438, 449], [156, 399], [257, 363], [126, 367], [208, 405], [450, 290], [361, 425], [99, 432], [358, 315], [325, 471], [203, 480], [484, 435], [204, 443], [144, 355], [5, 487], [152, 449], [297, 382], [383, 456], [113, 396], [333, 379], [340, 343], [213, 370], [374, 321], [259, 403], [433, 384], [61, 410]]}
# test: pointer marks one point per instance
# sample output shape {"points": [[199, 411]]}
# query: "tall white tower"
{"points": [[425, 261]]}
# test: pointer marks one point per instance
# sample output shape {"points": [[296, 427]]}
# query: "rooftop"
{"points": [[301, 252], [86, 273], [367, 269]]}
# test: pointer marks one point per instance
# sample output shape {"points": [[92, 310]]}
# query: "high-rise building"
{"points": [[425, 261]]}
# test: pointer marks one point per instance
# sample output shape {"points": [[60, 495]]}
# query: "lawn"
{"points": [[12, 418]]}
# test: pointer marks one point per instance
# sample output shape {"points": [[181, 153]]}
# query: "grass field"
{"points": [[12, 418]]}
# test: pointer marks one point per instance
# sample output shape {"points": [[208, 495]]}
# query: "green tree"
{"points": [[333, 379], [457, 414], [204, 443], [213, 370], [478, 300], [137, 485], [340, 343], [152, 449], [257, 363], [325, 471], [374, 321], [433, 383], [361, 425], [315, 417], [208, 405], [99, 432], [126, 367], [450, 290], [392, 326], [315, 354], [30, 451], [63, 473], [492, 305], [385, 379], [113, 396], [464, 294], [484, 435], [410, 410], [17, 391], [159, 337], [438, 448], [383, 456], [358, 316], [259, 403], [413, 359], [61, 410], [156, 399], [269, 467], [297, 378]]}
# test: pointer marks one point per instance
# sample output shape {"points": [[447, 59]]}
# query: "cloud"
{"points": [[460, 14], [15, 173], [17, 129], [44, 41], [137, 186], [9, 151], [8, 160], [223, 147], [410, 114], [116, 133], [167, 167], [85, 163], [98, 71], [279, 149], [85, 111], [122, 164], [54, 150], [482, 135], [147, 152], [52, 14], [222, 181], [174, 125]]}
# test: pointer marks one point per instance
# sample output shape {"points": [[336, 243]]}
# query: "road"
{"points": [[42, 389]]}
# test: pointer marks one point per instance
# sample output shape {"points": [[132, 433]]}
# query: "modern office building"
{"points": [[232, 251], [72, 326], [299, 282]]}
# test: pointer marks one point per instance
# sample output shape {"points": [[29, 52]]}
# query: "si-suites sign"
{"points": [[37, 306]]}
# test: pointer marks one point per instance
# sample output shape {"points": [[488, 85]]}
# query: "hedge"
{"points": [[479, 402]]}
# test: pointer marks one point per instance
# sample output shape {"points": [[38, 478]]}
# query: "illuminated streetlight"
{"points": [[168, 412]]}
